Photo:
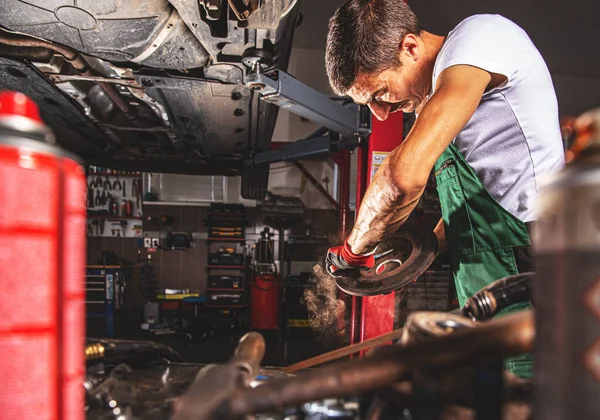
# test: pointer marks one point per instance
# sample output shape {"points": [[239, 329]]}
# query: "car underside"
{"points": [[153, 85]]}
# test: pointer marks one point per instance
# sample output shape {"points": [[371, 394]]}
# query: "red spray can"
{"points": [[42, 257]]}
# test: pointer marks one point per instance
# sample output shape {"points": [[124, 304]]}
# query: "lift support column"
{"points": [[374, 315]]}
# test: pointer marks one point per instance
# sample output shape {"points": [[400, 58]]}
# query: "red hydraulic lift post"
{"points": [[376, 312], [344, 193]]}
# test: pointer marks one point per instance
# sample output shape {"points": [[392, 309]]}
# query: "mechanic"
{"points": [[487, 126]]}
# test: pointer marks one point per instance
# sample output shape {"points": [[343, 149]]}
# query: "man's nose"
{"points": [[380, 110]]}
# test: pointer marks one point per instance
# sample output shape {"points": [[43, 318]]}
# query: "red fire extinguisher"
{"points": [[42, 254], [265, 296], [264, 305]]}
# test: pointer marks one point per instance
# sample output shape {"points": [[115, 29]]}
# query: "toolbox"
{"points": [[226, 221], [224, 299], [225, 259], [225, 231], [225, 282]]}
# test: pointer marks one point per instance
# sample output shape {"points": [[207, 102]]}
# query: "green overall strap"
{"points": [[481, 235]]}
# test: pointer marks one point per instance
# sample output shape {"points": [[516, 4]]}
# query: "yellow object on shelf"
{"points": [[178, 296]]}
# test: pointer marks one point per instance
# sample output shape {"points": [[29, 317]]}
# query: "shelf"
{"points": [[224, 290], [115, 175], [227, 239], [240, 215], [107, 216], [225, 306], [237, 267]]}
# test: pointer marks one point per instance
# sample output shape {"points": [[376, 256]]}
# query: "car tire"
{"points": [[255, 181]]}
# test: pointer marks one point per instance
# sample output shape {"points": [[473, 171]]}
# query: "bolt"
{"points": [[257, 86], [147, 82]]}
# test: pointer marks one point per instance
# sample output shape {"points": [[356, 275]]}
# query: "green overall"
{"points": [[481, 236]]}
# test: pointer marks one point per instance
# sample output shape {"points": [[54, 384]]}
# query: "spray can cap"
{"points": [[20, 115], [17, 104]]}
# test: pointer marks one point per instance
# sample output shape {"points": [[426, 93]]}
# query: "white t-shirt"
{"points": [[513, 138]]}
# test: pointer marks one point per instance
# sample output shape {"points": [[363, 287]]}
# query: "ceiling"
{"points": [[566, 33]]}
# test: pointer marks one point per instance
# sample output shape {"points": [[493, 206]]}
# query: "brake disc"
{"points": [[399, 260]]}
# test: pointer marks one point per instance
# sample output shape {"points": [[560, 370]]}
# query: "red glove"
{"points": [[342, 262]]}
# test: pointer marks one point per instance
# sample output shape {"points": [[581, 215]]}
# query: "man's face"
{"points": [[401, 88]]}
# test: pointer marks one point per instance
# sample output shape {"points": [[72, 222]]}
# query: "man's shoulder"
{"points": [[483, 23]]}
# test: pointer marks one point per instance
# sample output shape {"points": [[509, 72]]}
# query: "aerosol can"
{"points": [[42, 257], [567, 290]]}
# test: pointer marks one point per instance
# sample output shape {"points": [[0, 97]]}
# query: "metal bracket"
{"points": [[243, 8], [285, 91]]}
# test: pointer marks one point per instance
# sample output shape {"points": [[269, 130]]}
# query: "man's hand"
{"points": [[342, 262]]}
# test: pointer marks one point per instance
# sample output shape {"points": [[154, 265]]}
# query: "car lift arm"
{"points": [[348, 122]]}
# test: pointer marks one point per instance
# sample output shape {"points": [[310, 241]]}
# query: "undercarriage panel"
{"points": [[162, 84]]}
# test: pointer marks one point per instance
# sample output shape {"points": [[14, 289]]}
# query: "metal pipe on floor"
{"points": [[513, 334]]}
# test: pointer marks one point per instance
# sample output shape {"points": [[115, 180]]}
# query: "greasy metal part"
{"points": [[513, 334], [132, 351], [423, 326], [25, 41], [457, 397], [317, 185], [214, 384], [57, 78], [33, 53], [243, 8], [212, 8], [156, 106], [101, 104], [399, 260], [116, 97], [159, 39], [257, 59], [499, 295], [285, 91], [345, 351], [248, 355], [566, 242], [74, 59]]}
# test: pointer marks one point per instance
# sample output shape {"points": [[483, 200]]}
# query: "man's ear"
{"points": [[409, 48]]}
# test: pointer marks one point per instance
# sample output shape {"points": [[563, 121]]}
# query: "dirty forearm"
{"points": [[402, 177], [385, 207]]}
